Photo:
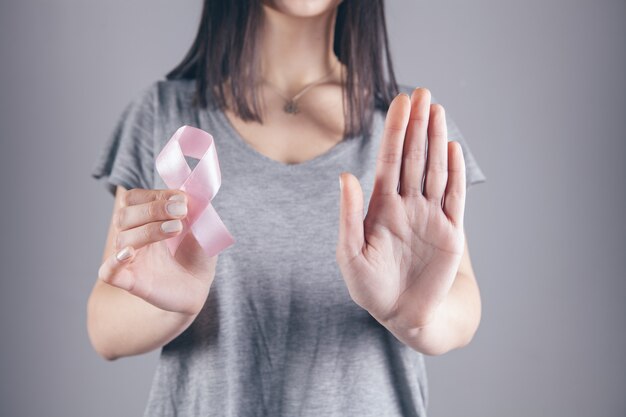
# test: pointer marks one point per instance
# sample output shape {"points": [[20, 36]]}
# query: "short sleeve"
{"points": [[473, 172], [127, 157]]}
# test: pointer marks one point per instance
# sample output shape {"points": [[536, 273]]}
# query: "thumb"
{"points": [[112, 269], [351, 238]]}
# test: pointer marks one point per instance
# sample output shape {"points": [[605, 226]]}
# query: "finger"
{"points": [[142, 195], [390, 153], [351, 235], [111, 268], [414, 152], [437, 158], [454, 200], [141, 236], [128, 217]]}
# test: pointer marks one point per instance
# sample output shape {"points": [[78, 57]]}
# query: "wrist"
{"points": [[426, 336]]}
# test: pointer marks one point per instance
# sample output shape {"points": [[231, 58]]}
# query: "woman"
{"points": [[321, 307]]}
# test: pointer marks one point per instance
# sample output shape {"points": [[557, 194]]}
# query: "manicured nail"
{"points": [[176, 209], [172, 226], [123, 254], [340, 184], [177, 197]]}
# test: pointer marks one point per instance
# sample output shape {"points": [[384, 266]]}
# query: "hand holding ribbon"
{"points": [[200, 184]]}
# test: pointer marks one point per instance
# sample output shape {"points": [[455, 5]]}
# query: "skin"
{"points": [[297, 50], [141, 303], [406, 263]]}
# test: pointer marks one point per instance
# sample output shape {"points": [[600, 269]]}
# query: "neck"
{"points": [[297, 51]]}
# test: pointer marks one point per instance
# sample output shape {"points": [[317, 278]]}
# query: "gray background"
{"points": [[538, 88]]}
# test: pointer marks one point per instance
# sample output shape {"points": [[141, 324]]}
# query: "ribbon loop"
{"points": [[200, 184]]}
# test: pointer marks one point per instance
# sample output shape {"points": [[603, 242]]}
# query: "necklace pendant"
{"points": [[291, 107]]}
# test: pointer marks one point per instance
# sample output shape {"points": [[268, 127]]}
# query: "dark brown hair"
{"points": [[224, 53]]}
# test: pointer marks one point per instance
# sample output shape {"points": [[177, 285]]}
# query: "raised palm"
{"points": [[400, 261]]}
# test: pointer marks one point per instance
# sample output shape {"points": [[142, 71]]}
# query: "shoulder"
{"points": [[167, 92], [168, 99], [161, 94], [164, 91]]}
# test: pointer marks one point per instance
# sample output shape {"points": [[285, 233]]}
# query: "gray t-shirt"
{"points": [[279, 334]]}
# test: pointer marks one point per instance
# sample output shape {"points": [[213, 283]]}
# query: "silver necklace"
{"points": [[291, 104]]}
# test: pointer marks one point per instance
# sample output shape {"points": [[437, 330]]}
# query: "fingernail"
{"points": [[177, 197], [123, 254], [340, 184], [176, 209], [171, 226]]}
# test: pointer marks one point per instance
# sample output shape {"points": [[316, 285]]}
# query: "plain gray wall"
{"points": [[538, 88]]}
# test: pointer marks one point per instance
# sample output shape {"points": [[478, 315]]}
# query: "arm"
{"points": [[122, 324], [456, 320]]}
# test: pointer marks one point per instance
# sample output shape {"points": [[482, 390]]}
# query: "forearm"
{"points": [[120, 324], [454, 324]]}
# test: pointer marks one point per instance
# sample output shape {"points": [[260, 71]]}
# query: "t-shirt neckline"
{"points": [[321, 159]]}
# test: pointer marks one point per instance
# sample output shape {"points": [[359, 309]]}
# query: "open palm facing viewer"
{"points": [[400, 261]]}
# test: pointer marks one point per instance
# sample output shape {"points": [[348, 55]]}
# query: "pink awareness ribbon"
{"points": [[200, 185]]}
